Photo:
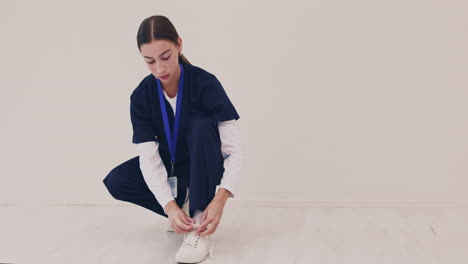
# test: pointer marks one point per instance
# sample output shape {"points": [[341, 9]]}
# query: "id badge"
{"points": [[173, 183]]}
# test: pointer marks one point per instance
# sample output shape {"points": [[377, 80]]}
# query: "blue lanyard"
{"points": [[172, 139]]}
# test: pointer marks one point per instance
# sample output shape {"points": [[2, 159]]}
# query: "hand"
{"points": [[180, 222], [211, 215]]}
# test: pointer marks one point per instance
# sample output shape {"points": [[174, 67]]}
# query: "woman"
{"points": [[187, 140]]}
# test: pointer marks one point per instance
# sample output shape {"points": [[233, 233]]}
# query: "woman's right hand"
{"points": [[180, 222]]}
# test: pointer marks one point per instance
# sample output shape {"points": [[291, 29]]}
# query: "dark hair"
{"points": [[158, 27]]}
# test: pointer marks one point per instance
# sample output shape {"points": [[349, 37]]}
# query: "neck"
{"points": [[171, 88]]}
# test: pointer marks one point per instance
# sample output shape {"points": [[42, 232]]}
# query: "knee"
{"points": [[114, 182]]}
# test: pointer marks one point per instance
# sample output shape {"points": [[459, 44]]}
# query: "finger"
{"points": [[211, 228], [182, 231], [186, 229], [177, 229], [199, 231], [182, 225], [204, 215], [190, 220], [203, 225], [184, 220]]}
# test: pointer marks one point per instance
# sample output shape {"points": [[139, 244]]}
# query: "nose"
{"points": [[160, 71]]}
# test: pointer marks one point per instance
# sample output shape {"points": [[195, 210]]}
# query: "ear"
{"points": [[179, 45]]}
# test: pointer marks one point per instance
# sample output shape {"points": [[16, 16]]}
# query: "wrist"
{"points": [[170, 206], [223, 194]]}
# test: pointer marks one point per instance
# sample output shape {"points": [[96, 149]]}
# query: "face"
{"points": [[162, 58]]}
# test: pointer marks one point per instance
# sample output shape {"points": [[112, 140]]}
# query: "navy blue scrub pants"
{"points": [[201, 172]]}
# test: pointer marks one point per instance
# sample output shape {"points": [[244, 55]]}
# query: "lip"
{"points": [[164, 77]]}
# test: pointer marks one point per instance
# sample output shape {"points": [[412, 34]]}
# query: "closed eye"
{"points": [[151, 62]]}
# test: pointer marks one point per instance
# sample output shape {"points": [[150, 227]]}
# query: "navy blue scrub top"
{"points": [[203, 94]]}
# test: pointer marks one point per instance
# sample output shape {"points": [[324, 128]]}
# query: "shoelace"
{"points": [[191, 239]]}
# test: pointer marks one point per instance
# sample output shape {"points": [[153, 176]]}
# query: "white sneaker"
{"points": [[195, 248], [185, 208]]}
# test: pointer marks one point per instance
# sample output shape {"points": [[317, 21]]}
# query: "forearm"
{"points": [[154, 172]]}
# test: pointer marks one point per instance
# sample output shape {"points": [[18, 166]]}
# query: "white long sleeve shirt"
{"points": [[155, 174]]}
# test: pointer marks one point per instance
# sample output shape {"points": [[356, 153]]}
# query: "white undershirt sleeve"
{"points": [[231, 150], [154, 172]]}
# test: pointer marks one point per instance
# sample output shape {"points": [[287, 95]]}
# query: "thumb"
{"points": [[204, 216], [183, 218], [188, 218], [202, 223]]}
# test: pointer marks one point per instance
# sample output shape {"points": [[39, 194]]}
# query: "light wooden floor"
{"points": [[129, 234]]}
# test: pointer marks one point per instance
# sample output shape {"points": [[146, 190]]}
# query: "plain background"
{"points": [[340, 101]]}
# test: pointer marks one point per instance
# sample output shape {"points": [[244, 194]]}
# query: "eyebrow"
{"points": [[159, 55]]}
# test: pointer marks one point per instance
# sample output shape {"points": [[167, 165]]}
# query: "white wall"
{"points": [[340, 101]]}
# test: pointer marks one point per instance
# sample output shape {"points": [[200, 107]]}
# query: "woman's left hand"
{"points": [[211, 215]]}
